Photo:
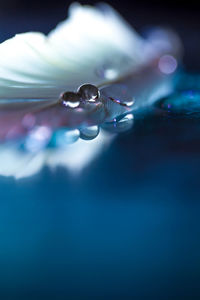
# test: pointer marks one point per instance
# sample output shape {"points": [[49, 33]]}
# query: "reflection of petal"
{"points": [[17, 164], [74, 157]]}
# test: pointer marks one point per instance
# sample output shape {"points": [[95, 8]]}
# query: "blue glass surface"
{"points": [[128, 227]]}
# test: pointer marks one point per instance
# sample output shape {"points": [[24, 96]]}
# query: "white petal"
{"points": [[70, 55]]}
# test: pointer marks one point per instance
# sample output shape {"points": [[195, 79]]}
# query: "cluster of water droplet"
{"points": [[85, 93]]}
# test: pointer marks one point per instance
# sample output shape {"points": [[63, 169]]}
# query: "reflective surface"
{"points": [[130, 220]]}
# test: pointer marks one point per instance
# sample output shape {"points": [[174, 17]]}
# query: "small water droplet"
{"points": [[64, 137], [119, 125], [70, 99], [107, 71], [89, 93], [89, 133]]}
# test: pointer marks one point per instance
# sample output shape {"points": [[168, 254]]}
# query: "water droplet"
{"points": [[107, 72], [89, 133], [89, 92], [64, 137], [119, 125], [114, 66], [118, 93], [184, 102], [110, 73], [70, 99], [128, 103]]}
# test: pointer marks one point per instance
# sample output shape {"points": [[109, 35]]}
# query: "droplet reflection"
{"points": [[107, 72], [64, 137], [89, 133], [119, 125]]}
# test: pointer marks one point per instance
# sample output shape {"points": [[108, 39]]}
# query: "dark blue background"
{"points": [[128, 228]]}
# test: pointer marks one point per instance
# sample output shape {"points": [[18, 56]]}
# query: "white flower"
{"points": [[94, 45]]}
